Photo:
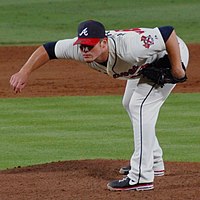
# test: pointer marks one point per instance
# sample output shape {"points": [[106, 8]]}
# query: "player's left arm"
{"points": [[172, 47]]}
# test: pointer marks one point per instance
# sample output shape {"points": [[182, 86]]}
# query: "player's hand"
{"points": [[18, 81]]}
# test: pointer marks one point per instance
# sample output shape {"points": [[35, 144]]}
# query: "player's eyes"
{"points": [[86, 48]]}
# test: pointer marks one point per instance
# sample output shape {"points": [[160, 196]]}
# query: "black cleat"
{"points": [[127, 184]]}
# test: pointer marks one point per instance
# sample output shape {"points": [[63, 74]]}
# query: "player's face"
{"points": [[93, 53]]}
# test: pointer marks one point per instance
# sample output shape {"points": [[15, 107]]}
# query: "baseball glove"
{"points": [[160, 72]]}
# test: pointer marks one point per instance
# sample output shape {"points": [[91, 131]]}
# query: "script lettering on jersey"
{"points": [[84, 31], [134, 71]]}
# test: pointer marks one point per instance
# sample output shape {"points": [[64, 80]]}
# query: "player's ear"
{"points": [[104, 42]]}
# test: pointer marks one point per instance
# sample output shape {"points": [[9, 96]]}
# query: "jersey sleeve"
{"points": [[50, 49], [64, 49], [166, 31]]}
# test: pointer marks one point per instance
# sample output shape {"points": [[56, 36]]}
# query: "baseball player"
{"points": [[153, 60]]}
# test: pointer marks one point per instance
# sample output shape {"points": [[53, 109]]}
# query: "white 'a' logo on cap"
{"points": [[84, 32]]}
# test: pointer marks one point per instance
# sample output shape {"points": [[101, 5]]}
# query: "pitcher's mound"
{"points": [[87, 179]]}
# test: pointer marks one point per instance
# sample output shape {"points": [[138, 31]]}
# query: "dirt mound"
{"points": [[87, 179]]}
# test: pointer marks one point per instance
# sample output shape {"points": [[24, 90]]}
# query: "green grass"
{"points": [[40, 130], [39, 21], [179, 127]]}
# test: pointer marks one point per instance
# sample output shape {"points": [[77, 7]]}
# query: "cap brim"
{"points": [[87, 41]]}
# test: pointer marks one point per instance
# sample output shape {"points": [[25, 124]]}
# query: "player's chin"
{"points": [[88, 60]]}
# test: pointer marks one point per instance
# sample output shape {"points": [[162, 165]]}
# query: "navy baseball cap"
{"points": [[90, 32]]}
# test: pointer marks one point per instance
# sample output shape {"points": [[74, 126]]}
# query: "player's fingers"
{"points": [[15, 89], [13, 81], [13, 84], [18, 81], [21, 87], [18, 88]]}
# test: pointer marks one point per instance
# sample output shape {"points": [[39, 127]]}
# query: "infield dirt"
{"points": [[86, 179]]}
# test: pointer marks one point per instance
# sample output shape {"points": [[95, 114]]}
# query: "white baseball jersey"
{"points": [[129, 51]]}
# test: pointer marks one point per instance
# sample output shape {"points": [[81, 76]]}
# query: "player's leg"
{"points": [[158, 161], [144, 107], [129, 89]]}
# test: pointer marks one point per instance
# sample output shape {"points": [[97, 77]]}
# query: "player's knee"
{"points": [[126, 104]]}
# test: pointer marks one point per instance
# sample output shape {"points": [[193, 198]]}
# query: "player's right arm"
{"points": [[19, 80], [51, 50]]}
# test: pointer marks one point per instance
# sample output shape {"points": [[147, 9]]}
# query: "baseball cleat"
{"points": [[127, 184], [125, 171]]}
